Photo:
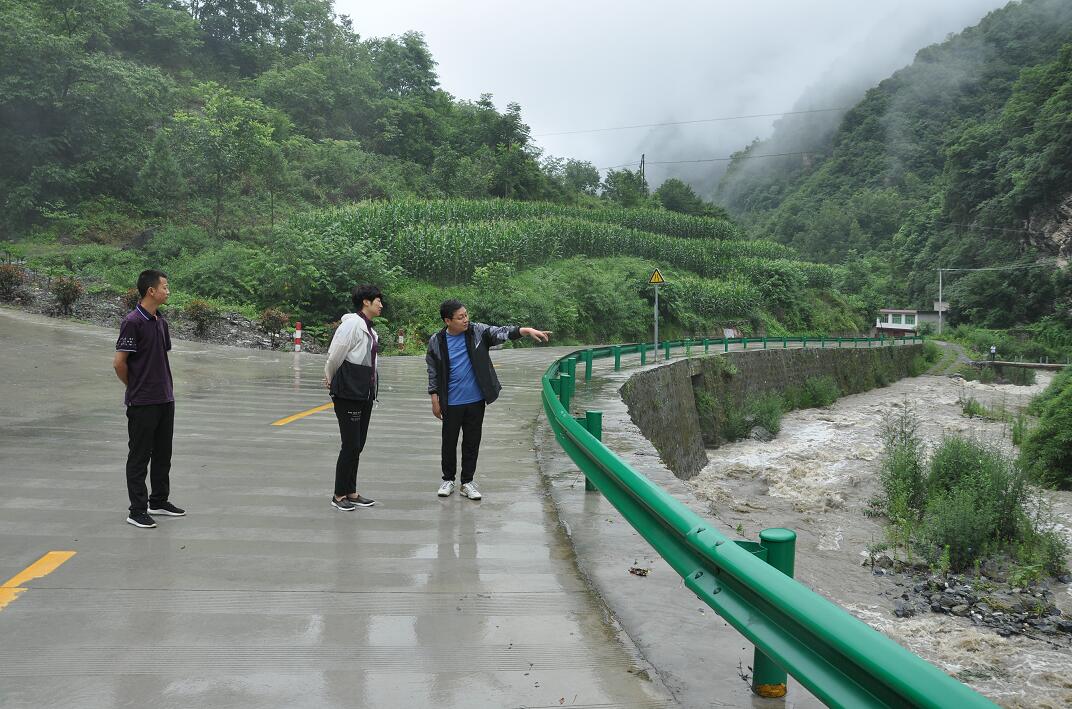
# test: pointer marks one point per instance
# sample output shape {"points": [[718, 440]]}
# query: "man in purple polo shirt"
{"points": [[141, 363]]}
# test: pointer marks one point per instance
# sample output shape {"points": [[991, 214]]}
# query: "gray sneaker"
{"points": [[446, 488], [469, 490], [343, 504]]}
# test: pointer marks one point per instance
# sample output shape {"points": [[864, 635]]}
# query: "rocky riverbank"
{"points": [[1007, 638]]}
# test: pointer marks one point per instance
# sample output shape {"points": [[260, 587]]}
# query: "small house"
{"points": [[896, 323]]}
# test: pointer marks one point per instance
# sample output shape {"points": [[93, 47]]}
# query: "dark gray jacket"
{"points": [[478, 338]]}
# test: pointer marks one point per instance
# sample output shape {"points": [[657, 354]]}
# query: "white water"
{"points": [[816, 477]]}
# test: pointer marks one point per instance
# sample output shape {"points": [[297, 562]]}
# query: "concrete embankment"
{"points": [[663, 401]]}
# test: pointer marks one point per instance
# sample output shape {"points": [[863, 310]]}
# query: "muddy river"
{"points": [[817, 476]]}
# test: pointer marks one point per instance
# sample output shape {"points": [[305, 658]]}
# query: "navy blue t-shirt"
{"points": [[147, 340], [463, 388]]}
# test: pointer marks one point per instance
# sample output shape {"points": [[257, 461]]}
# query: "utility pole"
{"points": [[940, 301], [642, 166]]}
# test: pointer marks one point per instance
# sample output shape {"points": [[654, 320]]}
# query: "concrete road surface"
{"points": [[265, 595]]}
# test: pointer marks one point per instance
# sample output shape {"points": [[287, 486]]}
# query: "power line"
{"points": [[1039, 264], [706, 160], [684, 123], [987, 228]]}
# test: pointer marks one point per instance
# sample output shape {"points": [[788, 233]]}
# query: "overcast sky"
{"points": [[583, 64]]}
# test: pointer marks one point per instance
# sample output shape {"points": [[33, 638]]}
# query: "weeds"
{"points": [[968, 503]]}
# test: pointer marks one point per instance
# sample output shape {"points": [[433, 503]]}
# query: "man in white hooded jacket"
{"points": [[350, 376]]}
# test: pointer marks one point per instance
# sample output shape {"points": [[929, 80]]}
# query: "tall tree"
{"points": [[228, 140], [627, 188]]}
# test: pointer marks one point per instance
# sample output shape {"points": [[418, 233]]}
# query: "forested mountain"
{"points": [[122, 109], [961, 160], [268, 157]]}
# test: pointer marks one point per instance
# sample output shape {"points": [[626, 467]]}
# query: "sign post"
{"points": [[655, 280]]}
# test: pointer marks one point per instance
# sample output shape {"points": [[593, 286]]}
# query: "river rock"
{"points": [[758, 433]]}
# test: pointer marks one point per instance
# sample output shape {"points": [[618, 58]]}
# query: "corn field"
{"points": [[717, 274], [376, 218]]}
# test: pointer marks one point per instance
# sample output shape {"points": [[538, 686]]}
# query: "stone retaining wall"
{"points": [[662, 400]]}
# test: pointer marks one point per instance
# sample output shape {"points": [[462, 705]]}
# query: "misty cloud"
{"points": [[603, 64]]}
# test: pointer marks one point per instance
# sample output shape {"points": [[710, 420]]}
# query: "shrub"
{"points": [[987, 375], [1062, 381], [736, 425], [201, 313], [705, 410], [901, 474], [973, 409], [766, 411], [971, 501], [1047, 450], [272, 322], [11, 279], [67, 290], [1019, 429], [975, 501], [822, 391]]}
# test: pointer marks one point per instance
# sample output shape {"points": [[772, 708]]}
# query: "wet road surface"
{"points": [[265, 595]]}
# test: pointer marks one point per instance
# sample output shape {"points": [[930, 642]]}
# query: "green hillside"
{"points": [[266, 155], [958, 160], [581, 272]]}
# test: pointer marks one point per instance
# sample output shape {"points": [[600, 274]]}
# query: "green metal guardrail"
{"points": [[840, 659]]}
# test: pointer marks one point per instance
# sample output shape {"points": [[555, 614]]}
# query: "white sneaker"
{"points": [[469, 490], [446, 488]]}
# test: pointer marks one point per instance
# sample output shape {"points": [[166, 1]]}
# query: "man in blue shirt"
{"points": [[462, 382], [141, 363]]}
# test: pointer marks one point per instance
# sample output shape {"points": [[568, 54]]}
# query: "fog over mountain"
{"points": [[601, 65]]}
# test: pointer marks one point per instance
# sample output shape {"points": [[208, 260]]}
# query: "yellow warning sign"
{"points": [[656, 278]]}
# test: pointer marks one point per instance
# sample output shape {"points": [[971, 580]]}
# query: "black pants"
{"points": [[468, 419], [150, 429], [353, 419]]}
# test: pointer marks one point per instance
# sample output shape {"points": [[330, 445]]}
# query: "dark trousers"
{"points": [[353, 419], [467, 419], [149, 429]]}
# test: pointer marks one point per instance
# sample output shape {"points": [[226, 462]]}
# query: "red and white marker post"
{"points": [[297, 336]]}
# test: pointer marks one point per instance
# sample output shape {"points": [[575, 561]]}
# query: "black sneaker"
{"points": [[166, 508], [343, 504], [361, 501], [140, 519]]}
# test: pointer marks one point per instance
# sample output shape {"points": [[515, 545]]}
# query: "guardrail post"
{"points": [[706, 345], [768, 679], [804, 342], [666, 348], [587, 365], [617, 357], [764, 343], [822, 342], [565, 389], [725, 344], [744, 343], [688, 347], [785, 342], [594, 425]]}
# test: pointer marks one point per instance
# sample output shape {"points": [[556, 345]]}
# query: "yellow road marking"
{"points": [[303, 414], [42, 567]]}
